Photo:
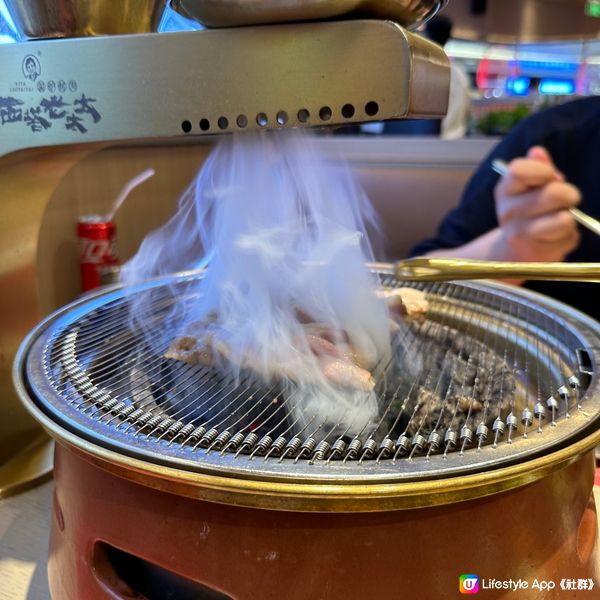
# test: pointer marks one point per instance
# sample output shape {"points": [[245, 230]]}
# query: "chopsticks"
{"points": [[501, 167]]}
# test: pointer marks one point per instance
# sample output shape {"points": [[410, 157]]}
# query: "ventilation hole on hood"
{"points": [[348, 111], [372, 108], [262, 119], [325, 113], [303, 115]]}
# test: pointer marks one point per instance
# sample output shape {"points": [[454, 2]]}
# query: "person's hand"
{"points": [[532, 203]]}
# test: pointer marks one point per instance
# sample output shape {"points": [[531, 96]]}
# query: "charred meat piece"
{"points": [[461, 379]]}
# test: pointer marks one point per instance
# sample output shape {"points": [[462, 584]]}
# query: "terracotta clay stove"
{"points": [[161, 493]]}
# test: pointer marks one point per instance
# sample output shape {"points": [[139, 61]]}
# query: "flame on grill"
{"points": [[283, 234]]}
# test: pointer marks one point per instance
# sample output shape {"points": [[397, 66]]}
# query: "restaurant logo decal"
{"points": [[55, 103]]}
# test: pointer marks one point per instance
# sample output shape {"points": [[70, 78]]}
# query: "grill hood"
{"points": [[217, 81]]}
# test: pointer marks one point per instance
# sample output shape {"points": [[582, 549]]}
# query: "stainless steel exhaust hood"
{"points": [[214, 81]]}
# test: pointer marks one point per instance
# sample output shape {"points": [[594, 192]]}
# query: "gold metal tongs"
{"points": [[447, 269]]}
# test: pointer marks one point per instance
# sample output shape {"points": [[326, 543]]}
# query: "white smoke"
{"points": [[283, 234]]}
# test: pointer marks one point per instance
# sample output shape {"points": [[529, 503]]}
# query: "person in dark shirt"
{"points": [[554, 165]]}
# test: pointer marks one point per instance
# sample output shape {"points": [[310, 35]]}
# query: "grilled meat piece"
{"points": [[461, 380], [345, 373], [341, 363], [187, 349], [405, 302], [336, 363]]}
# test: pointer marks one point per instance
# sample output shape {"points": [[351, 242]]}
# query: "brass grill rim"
{"points": [[252, 473]]}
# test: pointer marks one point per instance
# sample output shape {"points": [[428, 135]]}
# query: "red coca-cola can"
{"points": [[98, 249]]}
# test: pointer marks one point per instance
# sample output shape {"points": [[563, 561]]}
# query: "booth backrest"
{"points": [[410, 202]]}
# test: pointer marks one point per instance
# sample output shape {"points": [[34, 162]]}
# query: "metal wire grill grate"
{"points": [[500, 376]]}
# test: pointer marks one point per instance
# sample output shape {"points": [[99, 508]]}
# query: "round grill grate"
{"points": [[504, 375]]}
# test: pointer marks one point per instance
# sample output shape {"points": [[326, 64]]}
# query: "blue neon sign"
{"points": [[556, 86], [518, 86]]}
